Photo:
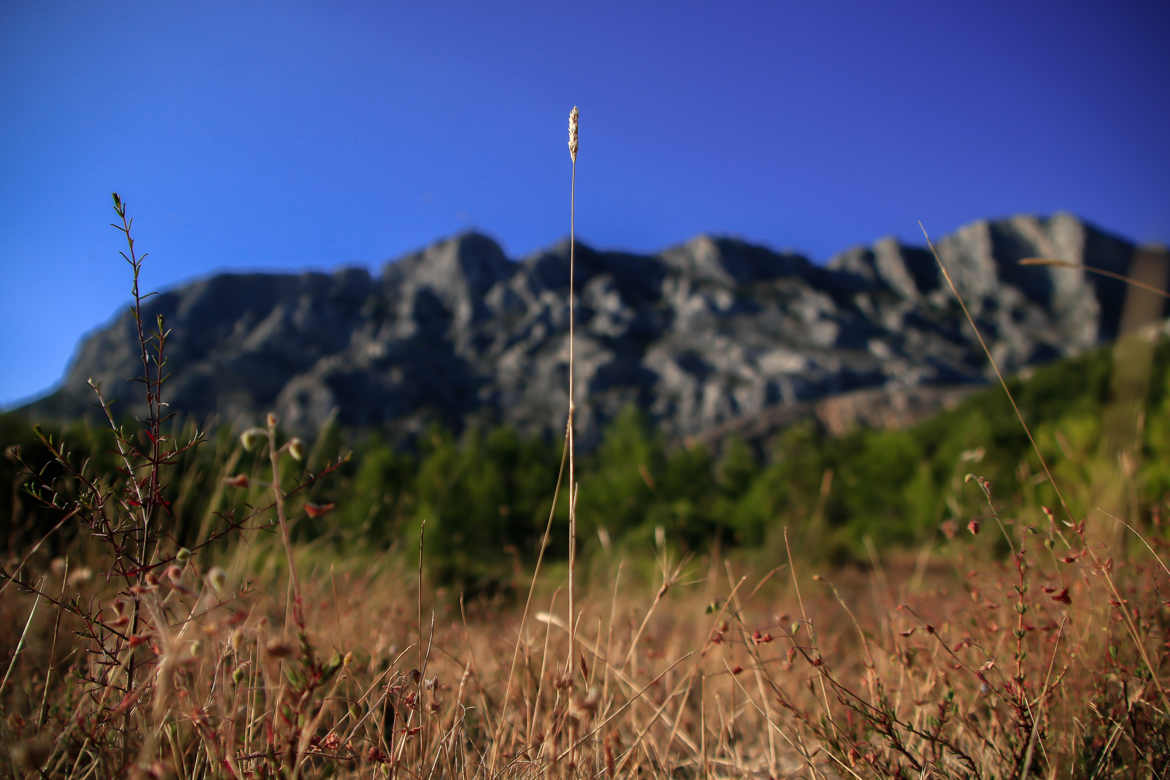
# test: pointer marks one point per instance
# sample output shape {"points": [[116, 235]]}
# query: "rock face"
{"points": [[700, 335]]}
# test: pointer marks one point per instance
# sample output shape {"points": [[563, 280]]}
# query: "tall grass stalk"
{"points": [[574, 118], [293, 601]]}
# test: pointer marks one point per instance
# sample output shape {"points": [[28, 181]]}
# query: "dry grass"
{"points": [[929, 664]]}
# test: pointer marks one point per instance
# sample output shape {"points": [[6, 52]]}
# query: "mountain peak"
{"points": [[459, 270], [729, 260]]}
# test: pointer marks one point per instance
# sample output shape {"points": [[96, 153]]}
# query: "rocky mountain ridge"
{"points": [[702, 334]]}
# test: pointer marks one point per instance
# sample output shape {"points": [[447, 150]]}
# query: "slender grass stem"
{"points": [[569, 433]]}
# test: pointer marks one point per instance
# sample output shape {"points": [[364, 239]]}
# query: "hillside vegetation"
{"points": [[485, 495]]}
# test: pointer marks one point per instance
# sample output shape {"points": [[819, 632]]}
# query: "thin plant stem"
{"points": [[544, 539], [293, 602], [1099, 271], [573, 125], [809, 626], [20, 643]]}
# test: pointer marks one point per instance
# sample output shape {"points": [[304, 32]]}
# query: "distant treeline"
{"points": [[485, 495]]}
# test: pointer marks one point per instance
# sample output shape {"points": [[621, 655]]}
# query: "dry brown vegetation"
{"points": [[935, 664]]}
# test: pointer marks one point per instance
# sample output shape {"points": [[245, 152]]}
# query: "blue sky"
{"points": [[292, 136]]}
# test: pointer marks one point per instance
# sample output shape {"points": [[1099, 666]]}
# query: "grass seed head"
{"points": [[574, 117]]}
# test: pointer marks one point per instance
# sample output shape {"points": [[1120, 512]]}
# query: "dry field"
{"points": [[1051, 661]]}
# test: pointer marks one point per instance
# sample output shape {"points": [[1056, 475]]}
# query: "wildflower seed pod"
{"points": [[235, 639], [217, 579], [251, 438], [574, 117]]}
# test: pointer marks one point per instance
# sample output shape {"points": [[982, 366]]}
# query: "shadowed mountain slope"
{"points": [[700, 335]]}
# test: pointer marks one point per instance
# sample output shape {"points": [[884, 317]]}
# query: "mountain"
{"points": [[703, 335]]}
